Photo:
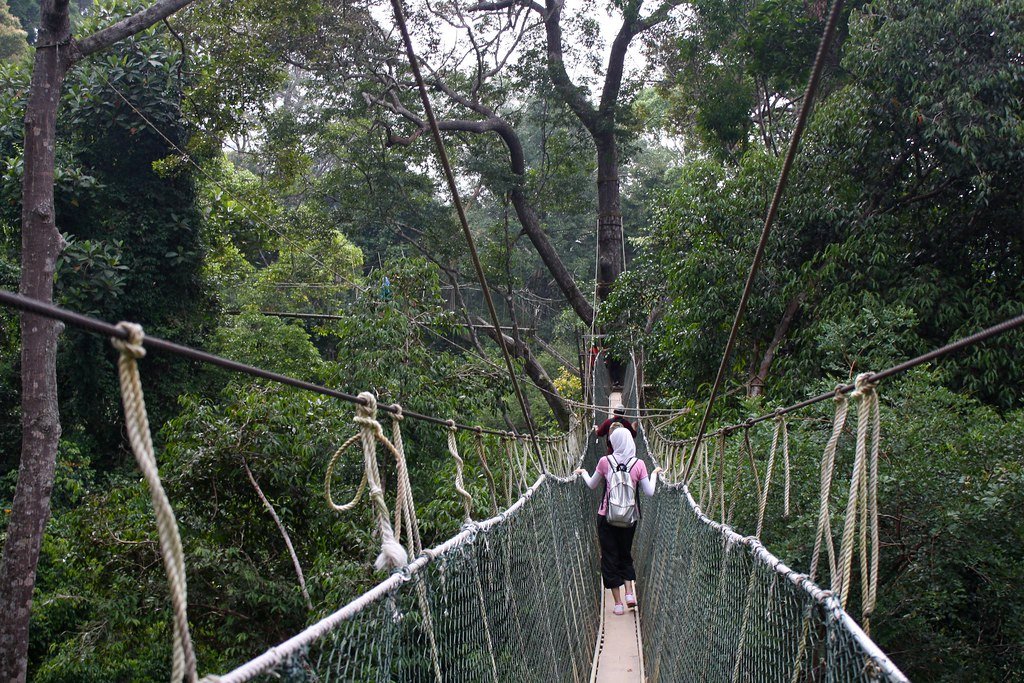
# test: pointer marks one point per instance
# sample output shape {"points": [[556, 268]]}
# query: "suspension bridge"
{"points": [[517, 597]]}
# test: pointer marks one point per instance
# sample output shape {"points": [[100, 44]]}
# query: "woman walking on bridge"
{"points": [[623, 473]]}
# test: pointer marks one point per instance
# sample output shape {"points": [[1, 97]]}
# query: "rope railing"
{"points": [[94, 325], [1007, 325], [741, 613], [487, 604]]}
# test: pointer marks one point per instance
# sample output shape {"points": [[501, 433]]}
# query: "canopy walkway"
{"points": [[518, 598]]}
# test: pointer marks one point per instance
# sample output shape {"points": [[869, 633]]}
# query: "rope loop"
{"points": [[481, 451], [392, 554], [862, 504], [864, 384], [397, 415], [453, 449], [823, 536]]}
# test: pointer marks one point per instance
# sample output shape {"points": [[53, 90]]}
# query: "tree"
{"points": [[57, 51], [896, 229], [475, 99]]}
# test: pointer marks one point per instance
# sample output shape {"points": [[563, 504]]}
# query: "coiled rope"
{"points": [[460, 485], [392, 554], [862, 503], [781, 433]]}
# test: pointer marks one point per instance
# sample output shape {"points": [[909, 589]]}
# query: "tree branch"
{"points": [[781, 330], [128, 26], [573, 370], [528, 218], [534, 370], [505, 4], [570, 93], [284, 533]]}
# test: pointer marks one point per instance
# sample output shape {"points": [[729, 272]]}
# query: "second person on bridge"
{"points": [[623, 473]]}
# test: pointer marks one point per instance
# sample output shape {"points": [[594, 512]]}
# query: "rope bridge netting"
{"points": [[718, 606], [512, 598]]}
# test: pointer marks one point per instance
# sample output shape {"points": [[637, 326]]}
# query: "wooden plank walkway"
{"points": [[618, 657]]}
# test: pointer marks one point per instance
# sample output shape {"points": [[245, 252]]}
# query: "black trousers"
{"points": [[616, 553]]}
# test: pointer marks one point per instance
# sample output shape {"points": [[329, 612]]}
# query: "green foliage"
{"points": [[900, 231], [888, 243], [737, 67], [12, 35], [949, 494]]}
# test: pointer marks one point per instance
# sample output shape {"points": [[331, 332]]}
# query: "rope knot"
{"points": [[479, 430], [132, 345], [398, 415], [451, 425], [779, 413], [749, 423], [864, 383], [839, 397], [367, 406]]}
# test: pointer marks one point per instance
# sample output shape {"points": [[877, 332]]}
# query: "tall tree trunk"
{"points": [[41, 244], [756, 385], [40, 421], [610, 255]]}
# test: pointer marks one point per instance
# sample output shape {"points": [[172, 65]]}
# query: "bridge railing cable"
{"points": [[23, 303], [824, 48]]}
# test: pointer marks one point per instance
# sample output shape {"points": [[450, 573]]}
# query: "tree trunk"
{"points": [[41, 244], [756, 385], [40, 421], [610, 254]]}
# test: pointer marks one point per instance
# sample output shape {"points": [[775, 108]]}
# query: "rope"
{"points": [[721, 475], [481, 453], [183, 660], [824, 47], [780, 431], [460, 486], [863, 501], [828, 461], [392, 554], [414, 544]]}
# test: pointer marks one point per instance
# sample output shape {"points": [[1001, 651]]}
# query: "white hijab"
{"points": [[623, 447]]}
